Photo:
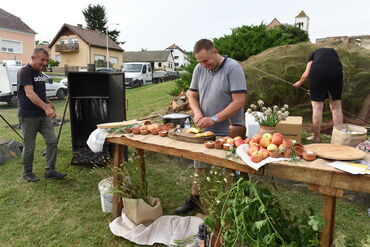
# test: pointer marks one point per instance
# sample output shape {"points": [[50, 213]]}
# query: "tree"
{"points": [[246, 41], [52, 63], [95, 17]]}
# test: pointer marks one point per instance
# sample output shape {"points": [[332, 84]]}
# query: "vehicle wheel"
{"points": [[13, 101], [61, 94], [141, 83]]}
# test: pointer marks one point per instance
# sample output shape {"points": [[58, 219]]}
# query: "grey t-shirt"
{"points": [[215, 89]]}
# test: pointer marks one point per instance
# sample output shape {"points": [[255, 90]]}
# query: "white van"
{"points": [[8, 76]]}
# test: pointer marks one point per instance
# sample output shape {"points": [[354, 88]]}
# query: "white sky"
{"points": [[156, 24]]}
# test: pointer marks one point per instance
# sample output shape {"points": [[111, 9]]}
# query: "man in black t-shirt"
{"points": [[34, 112]]}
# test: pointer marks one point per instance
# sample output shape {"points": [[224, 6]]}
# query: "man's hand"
{"points": [[205, 122], [197, 117], [50, 112]]}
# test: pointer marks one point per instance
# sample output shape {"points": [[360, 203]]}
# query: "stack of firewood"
{"points": [[179, 103]]}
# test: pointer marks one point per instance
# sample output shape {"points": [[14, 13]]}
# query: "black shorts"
{"points": [[325, 80]]}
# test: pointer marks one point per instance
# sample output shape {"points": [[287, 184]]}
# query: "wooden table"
{"points": [[324, 179]]}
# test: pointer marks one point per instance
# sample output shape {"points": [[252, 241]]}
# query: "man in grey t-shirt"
{"points": [[217, 93]]}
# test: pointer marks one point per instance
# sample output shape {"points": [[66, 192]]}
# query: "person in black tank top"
{"points": [[325, 74]]}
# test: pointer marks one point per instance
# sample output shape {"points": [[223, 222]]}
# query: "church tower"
{"points": [[302, 21]]}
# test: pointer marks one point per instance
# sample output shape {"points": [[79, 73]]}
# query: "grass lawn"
{"points": [[68, 212]]}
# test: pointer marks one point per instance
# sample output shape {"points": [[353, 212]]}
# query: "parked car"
{"points": [[171, 75], [138, 74], [8, 76]]}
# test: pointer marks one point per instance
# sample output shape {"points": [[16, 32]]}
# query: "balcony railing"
{"points": [[72, 47]]}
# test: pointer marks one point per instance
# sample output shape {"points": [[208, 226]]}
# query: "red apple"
{"points": [[264, 142], [264, 152], [239, 142], [267, 135], [277, 139], [237, 137], [253, 144], [246, 141], [252, 149], [256, 156], [256, 138]]}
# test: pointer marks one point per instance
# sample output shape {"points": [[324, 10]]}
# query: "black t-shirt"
{"points": [[28, 76]]}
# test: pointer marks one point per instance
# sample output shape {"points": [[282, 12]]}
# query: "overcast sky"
{"points": [[156, 24]]}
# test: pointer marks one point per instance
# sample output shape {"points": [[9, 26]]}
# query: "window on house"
{"points": [[176, 57], [300, 24], [64, 41], [74, 41], [11, 46], [113, 60], [176, 64], [58, 58], [159, 65], [99, 57]]}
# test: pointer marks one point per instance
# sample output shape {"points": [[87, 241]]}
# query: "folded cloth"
{"points": [[96, 140], [164, 230]]}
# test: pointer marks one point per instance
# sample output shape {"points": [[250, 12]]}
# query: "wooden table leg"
{"points": [[140, 154], [330, 195], [329, 216], [117, 181]]}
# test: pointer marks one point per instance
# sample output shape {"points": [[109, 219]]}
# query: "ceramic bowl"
{"points": [[168, 126], [309, 155], [163, 133], [209, 144], [299, 149], [287, 153], [147, 122], [154, 131], [128, 130], [144, 132], [136, 130], [227, 146], [218, 144]]}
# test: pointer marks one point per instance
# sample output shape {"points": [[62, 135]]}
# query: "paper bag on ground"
{"points": [[348, 135], [140, 212]]}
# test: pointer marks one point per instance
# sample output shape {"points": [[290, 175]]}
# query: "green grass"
{"points": [[68, 212]]}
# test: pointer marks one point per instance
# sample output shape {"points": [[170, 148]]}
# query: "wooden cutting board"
{"points": [[118, 124], [336, 152], [188, 137]]}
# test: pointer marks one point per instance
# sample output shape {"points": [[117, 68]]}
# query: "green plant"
{"points": [[129, 173], [268, 116], [52, 63], [252, 216]]}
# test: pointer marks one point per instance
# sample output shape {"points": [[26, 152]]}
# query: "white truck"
{"points": [[138, 74], [8, 85]]}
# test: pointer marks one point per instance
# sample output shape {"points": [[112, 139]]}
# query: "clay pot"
{"points": [[227, 146], [309, 155], [168, 126], [274, 154], [287, 153], [299, 149], [209, 144], [136, 130], [161, 127], [236, 130], [144, 132], [287, 143], [147, 122], [154, 131], [128, 130], [163, 133], [218, 144]]}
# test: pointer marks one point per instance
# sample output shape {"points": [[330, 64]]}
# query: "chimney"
{"points": [[79, 25]]}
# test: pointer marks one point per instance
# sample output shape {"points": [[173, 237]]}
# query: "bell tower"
{"points": [[302, 21]]}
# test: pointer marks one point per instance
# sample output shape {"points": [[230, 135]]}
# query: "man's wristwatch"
{"points": [[215, 119]]}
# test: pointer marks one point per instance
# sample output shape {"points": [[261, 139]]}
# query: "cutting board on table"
{"points": [[118, 124], [182, 135], [335, 152]]}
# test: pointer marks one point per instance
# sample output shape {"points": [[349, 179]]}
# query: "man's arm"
{"points": [[34, 98], [194, 105], [236, 104]]}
